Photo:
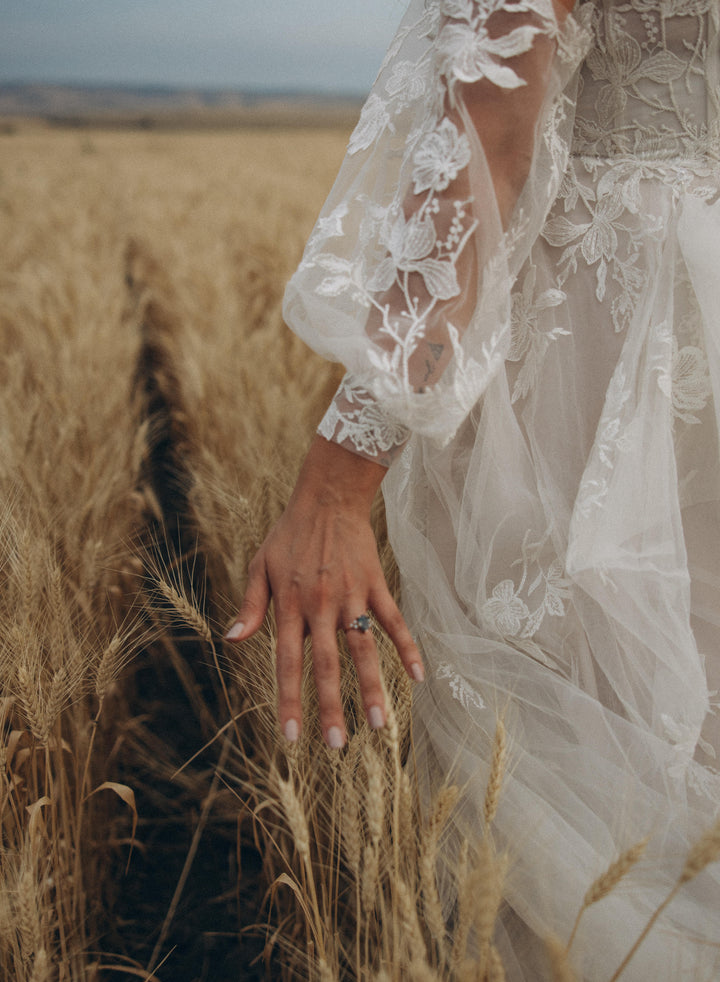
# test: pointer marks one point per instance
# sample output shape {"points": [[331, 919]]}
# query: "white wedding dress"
{"points": [[519, 265]]}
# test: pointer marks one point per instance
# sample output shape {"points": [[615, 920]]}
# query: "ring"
{"points": [[361, 623]]}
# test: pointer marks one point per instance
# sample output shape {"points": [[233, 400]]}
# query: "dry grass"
{"points": [[69, 451], [152, 405]]}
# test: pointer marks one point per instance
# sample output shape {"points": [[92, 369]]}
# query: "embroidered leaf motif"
{"points": [[469, 55], [374, 118], [460, 688], [440, 277]]}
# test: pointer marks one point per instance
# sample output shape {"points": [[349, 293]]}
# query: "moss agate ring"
{"points": [[361, 623]]}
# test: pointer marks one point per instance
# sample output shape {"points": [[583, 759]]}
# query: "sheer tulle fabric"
{"points": [[406, 279], [556, 515]]}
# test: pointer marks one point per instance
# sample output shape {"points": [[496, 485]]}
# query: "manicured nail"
{"points": [[235, 632], [335, 738], [376, 717], [417, 671], [291, 731]]}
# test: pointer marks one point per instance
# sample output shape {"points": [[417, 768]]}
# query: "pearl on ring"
{"points": [[361, 623]]}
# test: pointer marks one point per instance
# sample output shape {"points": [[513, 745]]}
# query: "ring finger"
{"points": [[363, 651]]}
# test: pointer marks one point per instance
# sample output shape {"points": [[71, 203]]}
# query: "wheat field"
{"points": [[154, 414]]}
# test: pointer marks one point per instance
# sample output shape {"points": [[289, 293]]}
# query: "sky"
{"points": [[318, 45]]}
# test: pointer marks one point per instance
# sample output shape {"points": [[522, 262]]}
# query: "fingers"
{"points": [[323, 619], [367, 665], [255, 602], [289, 668], [326, 669], [388, 614]]}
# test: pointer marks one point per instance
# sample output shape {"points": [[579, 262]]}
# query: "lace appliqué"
{"points": [[613, 438], [603, 226], [644, 79], [463, 51], [356, 420], [420, 291], [530, 342], [686, 380], [461, 690], [517, 611]]}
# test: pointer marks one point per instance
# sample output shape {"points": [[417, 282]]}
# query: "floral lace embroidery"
{"points": [[606, 224], [682, 376], [645, 78], [613, 237], [688, 382], [508, 610], [461, 690], [463, 51], [356, 417], [648, 111], [613, 438], [529, 341], [405, 269]]}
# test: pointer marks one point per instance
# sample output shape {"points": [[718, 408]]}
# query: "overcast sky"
{"points": [[323, 45]]}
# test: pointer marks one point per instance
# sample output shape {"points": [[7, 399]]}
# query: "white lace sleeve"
{"points": [[357, 420], [450, 172]]}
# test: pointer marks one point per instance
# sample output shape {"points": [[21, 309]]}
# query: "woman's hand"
{"points": [[321, 568]]}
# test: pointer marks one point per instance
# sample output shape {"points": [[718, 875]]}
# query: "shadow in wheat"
{"points": [[186, 898]]}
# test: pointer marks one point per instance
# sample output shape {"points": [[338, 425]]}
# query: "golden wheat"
{"points": [[142, 278], [497, 774], [562, 970]]}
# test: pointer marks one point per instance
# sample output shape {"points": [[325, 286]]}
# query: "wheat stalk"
{"points": [[407, 818], [325, 973], [31, 698], [413, 939], [375, 803], [370, 876], [497, 774], [295, 816], [186, 610], [608, 880], [495, 967], [27, 913], [108, 667], [432, 906], [560, 966], [350, 821], [701, 854], [489, 876], [57, 696], [41, 966], [465, 903]]}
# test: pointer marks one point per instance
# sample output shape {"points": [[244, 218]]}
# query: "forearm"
{"points": [[334, 477]]}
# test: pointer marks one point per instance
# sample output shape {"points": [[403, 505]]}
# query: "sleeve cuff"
{"points": [[356, 421]]}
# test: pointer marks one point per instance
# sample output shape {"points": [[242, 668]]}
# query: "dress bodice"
{"points": [[650, 85]]}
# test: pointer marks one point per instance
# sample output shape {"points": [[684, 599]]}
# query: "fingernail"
{"points": [[417, 671], [291, 731], [235, 632], [335, 738], [376, 717]]}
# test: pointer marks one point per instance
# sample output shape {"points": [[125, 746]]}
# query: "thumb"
{"points": [[254, 606]]}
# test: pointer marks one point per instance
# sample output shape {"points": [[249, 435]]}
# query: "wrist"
{"points": [[334, 476]]}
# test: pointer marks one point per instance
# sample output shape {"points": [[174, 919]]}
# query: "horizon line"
{"points": [[239, 89]]}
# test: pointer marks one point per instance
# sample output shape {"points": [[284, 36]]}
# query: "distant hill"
{"points": [[161, 107]]}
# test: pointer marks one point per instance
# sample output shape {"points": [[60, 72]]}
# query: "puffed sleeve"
{"points": [[449, 175]]}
